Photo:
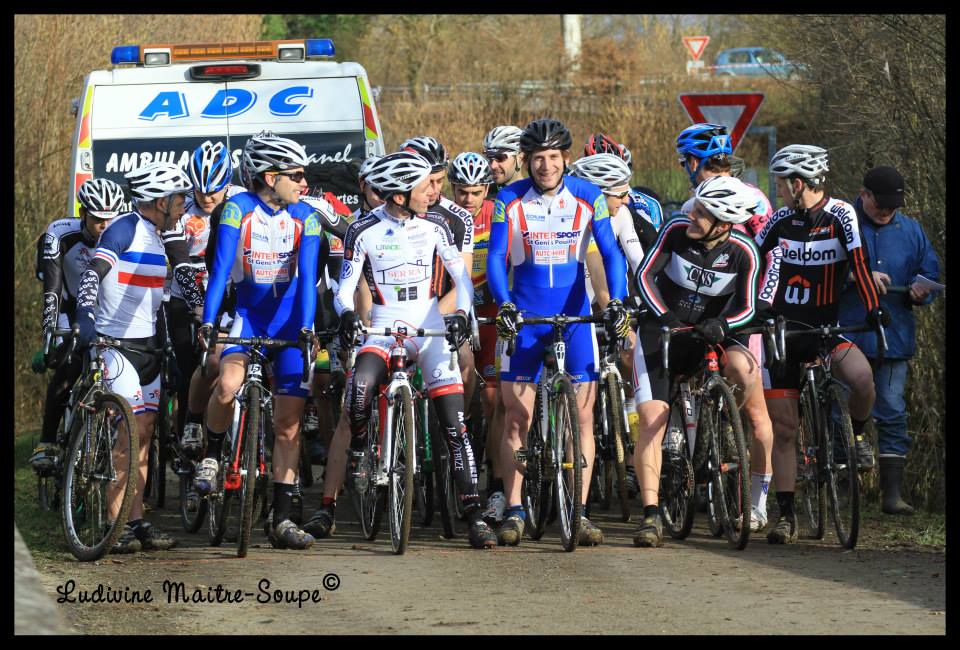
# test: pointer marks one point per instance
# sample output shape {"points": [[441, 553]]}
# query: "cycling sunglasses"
{"points": [[296, 177]]}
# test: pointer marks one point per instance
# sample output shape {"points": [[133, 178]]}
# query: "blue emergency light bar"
{"points": [[319, 47], [125, 54]]}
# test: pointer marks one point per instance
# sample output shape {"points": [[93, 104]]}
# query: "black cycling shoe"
{"points": [[287, 535], [481, 535], [785, 531], [128, 542], [153, 539], [650, 532], [321, 524], [511, 530]]}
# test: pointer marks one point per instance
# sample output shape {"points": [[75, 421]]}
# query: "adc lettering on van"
{"points": [[227, 103]]}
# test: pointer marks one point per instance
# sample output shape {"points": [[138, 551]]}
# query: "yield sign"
{"points": [[733, 110], [696, 45]]}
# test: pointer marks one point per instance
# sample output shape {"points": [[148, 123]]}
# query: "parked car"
{"points": [[755, 61]]}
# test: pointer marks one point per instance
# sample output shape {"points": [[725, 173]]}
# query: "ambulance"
{"points": [[160, 102]]}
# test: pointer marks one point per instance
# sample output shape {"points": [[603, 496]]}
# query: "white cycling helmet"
{"points": [[101, 197], [726, 198], [470, 168], [804, 160], [157, 180], [431, 150], [605, 170], [210, 167], [366, 166], [502, 139], [269, 152], [627, 156], [398, 172]]}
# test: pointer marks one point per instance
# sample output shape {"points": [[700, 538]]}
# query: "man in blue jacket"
{"points": [[898, 252]]}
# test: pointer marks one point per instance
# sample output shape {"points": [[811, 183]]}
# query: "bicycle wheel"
{"points": [[249, 463], [677, 491], [810, 478], [619, 433], [444, 489], [306, 465], [193, 509], [536, 491], [153, 462], [370, 500], [49, 484], [565, 438], [95, 470], [222, 503], [729, 463], [601, 480], [842, 477], [401, 473]]}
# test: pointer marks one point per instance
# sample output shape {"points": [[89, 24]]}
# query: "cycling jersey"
{"points": [[483, 303], [66, 250], [334, 224], [682, 280], [762, 212], [817, 249], [545, 239], [628, 238], [274, 270], [459, 220], [126, 275]]}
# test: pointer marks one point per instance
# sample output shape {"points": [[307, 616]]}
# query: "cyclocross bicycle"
{"points": [[100, 465], [243, 463]]}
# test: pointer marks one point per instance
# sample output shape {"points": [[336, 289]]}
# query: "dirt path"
{"points": [[694, 586]]}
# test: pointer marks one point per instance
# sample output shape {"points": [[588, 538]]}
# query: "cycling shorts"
{"points": [[287, 362], [486, 357], [650, 382], [431, 353], [135, 376], [526, 362], [784, 380]]}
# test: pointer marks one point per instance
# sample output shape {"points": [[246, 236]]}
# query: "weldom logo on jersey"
{"points": [[814, 253], [797, 291]]}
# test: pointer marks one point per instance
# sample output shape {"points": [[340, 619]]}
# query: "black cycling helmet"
{"points": [[430, 148], [545, 133]]}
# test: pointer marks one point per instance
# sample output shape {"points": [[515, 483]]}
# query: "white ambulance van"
{"points": [[160, 102]]}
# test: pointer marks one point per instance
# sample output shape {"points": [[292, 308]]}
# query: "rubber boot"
{"points": [[891, 476]]}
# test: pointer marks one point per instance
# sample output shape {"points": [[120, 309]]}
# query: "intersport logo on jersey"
{"points": [[816, 253]]}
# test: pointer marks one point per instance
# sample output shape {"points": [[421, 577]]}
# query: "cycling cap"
{"points": [[804, 160], [366, 166], [726, 198], [605, 170], [157, 180], [268, 152], [101, 197], [502, 139], [545, 133], [398, 172], [470, 168], [430, 149], [210, 167], [600, 143], [704, 140]]}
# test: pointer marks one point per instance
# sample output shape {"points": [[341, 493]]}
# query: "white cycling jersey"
{"points": [[403, 262], [627, 238]]}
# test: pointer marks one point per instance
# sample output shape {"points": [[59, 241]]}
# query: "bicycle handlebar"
{"points": [[406, 332]]}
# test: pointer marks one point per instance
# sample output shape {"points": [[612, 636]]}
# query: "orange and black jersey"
{"points": [[818, 247]]}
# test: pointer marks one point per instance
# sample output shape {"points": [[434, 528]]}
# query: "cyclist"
{"points": [[501, 147], [323, 521], [706, 152], [67, 246], [211, 173], [700, 272], [470, 177], [540, 229], [399, 257], [644, 208], [274, 273], [818, 238], [120, 294]]}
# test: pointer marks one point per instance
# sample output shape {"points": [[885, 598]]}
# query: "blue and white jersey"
{"points": [[271, 257], [132, 290], [648, 207], [545, 240]]}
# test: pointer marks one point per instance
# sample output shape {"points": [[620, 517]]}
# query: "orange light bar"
{"points": [[220, 51]]}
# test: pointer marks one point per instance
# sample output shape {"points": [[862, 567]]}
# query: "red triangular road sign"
{"points": [[733, 110], [696, 45]]}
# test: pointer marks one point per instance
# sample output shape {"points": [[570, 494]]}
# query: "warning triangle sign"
{"points": [[733, 110], [696, 45]]}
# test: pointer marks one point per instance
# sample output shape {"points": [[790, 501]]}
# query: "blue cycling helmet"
{"points": [[210, 167], [703, 140]]}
